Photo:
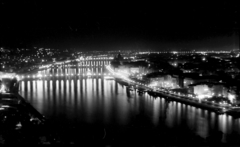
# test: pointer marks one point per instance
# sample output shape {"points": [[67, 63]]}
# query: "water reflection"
{"points": [[95, 99]]}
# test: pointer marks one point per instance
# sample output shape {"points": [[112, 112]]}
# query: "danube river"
{"points": [[71, 97]]}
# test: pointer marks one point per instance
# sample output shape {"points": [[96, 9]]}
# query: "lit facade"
{"points": [[208, 91]]}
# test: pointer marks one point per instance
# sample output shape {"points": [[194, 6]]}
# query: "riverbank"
{"points": [[190, 100], [20, 122], [102, 111]]}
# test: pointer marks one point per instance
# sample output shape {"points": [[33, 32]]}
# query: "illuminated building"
{"points": [[165, 81], [208, 90], [119, 58]]}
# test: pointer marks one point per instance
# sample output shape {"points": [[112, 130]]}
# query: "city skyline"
{"points": [[119, 73]]}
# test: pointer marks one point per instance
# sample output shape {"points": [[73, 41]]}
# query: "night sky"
{"points": [[119, 25]]}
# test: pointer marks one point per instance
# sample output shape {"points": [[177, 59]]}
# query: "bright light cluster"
{"points": [[119, 74], [2, 89], [58, 75], [45, 66]]}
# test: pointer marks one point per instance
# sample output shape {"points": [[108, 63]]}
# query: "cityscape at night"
{"points": [[119, 74]]}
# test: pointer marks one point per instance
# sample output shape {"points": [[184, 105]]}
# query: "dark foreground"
{"points": [[21, 124], [140, 133]]}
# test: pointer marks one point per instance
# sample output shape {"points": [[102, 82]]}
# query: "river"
{"points": [[69, 96]]}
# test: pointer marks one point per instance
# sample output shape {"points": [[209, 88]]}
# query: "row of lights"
{"points": [[48, 66], [178, 94], [68, 61], [171, 92], [97, 58], [40, 75], [122, 76], [189, 96]]}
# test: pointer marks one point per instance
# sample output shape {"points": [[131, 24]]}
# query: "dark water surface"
{"points": [[92, 108]]}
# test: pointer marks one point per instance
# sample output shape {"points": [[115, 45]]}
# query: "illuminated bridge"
{"points": [[81, 62], [82, 67]]}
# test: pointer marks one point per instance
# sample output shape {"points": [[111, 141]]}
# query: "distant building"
{"points": [[132, 69], [194, 78], [182, 80], [165, 81], [54, 59], [208, 90], [119, 58]]}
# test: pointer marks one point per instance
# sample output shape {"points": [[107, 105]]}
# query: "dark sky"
{"points": [[119, 25]]}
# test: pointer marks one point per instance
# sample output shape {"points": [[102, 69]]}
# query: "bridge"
{"points": [[81, 62], [84, 68]]}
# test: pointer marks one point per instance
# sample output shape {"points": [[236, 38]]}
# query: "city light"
{"points": [[2, 89], [231, 97], [125, 74]]}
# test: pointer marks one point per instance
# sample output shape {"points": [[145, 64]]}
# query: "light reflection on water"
{"points": [[95, 99]]}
